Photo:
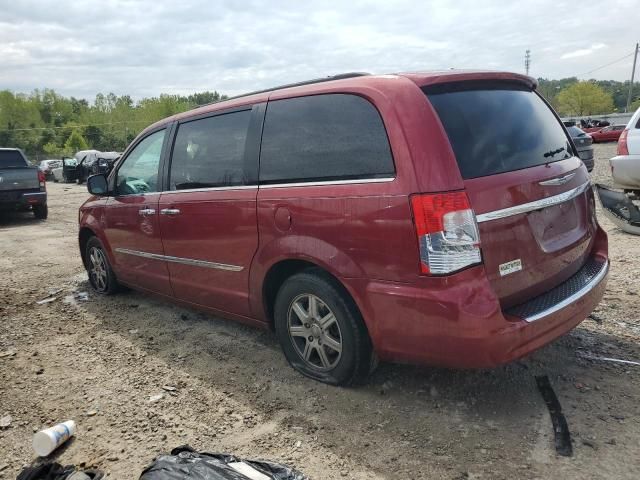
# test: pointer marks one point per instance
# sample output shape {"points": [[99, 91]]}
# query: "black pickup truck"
{"points": [[22, 185]]}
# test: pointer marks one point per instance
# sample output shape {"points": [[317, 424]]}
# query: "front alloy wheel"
{"points": [[98, 272], [101, 275]]}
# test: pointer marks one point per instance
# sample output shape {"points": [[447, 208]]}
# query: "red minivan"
{"points": [[433, 218]]}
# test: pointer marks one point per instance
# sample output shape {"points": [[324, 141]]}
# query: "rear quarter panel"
{"points": [[359, 230]]}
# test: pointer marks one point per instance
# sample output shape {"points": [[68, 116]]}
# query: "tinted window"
{"points": [[495, 131], [11, 159], [210, 152], [323, 137], [139, 171]]}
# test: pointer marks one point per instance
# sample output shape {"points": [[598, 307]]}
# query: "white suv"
{"points": [[625, 167]]}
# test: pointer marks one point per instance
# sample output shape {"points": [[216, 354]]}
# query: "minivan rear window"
{"points": [[324, 137], [495, 130], [11, 159]]}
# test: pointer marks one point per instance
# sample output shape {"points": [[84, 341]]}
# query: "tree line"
{"points": [[571, 97], [46, 124]]}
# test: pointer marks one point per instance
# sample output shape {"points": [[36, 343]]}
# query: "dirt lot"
{"points": [[101, 361]]}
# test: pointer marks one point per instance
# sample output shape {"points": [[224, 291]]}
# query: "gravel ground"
{"points": [[225, 387]]}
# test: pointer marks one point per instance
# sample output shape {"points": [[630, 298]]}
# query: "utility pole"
{"points": [[633, 74], [527, 60]]}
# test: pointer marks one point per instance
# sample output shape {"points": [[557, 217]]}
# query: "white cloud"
{"points": [[146, 47], [583, 52]]}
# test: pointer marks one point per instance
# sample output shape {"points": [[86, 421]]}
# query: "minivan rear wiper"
{"points": [[553, 153]]}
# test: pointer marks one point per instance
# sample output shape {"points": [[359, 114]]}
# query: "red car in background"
{"points": [[607, 134]]}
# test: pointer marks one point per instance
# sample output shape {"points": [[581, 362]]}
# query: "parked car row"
{"points": [[83, 164], [47, 166], [362, 217]]}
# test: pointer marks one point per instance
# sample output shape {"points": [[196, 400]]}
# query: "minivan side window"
{"points": [[322, 138], [209, 152], [139, 171]]}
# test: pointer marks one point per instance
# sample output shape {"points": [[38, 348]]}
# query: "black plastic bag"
{"points": [[185, 463]]}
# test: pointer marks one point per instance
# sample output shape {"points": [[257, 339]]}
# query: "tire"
{"points": [[41, 212], [55, 179], [101, 276], [65, 179], [337, 351]]}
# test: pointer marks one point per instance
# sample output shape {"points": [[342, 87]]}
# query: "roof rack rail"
{"points": [[340, 76]]}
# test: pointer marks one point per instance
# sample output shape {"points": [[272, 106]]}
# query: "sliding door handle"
{"points": [[170, 211], [146, 212]]}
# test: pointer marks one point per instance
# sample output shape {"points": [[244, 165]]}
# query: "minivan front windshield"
{"points": [[495, 130]]}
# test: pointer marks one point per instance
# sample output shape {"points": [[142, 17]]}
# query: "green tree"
{"points": [[51, 149], [635, 105], [584, 98], [75, 143]]}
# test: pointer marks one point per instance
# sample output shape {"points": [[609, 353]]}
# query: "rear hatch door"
{"points": [[530, 192]]}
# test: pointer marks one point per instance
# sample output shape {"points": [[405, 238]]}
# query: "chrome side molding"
{"points": [[533, 206], [184, 261]]}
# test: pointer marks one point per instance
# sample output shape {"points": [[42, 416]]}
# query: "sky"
{"points": [[145, 48]]}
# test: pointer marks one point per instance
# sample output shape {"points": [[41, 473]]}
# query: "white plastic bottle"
{"points": [[47, 440]]}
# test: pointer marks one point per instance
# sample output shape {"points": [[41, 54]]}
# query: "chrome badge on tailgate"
{"points": [[510, 267]]}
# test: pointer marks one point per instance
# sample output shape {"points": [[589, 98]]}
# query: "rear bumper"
{"points": [[460, 324], [21, 200], [625, 170]]}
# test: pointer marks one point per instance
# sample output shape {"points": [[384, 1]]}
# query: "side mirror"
{"points": [[97, 185]]}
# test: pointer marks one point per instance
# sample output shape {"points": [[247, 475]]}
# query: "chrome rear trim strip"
{"points": [[573, 298], [532, 206], [184, 261]]}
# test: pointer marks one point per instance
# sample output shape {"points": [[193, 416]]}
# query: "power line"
{"points": [[527, 60], [604, 66], [72, 126]]}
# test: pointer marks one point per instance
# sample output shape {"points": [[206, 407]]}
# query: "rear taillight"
{"points": [[447, 232], [623, 149], [42, 179]]}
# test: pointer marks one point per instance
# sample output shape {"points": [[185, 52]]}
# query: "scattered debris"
{"points": [[8, 353], [169, 388], [81, 296], [560, 427], [46, 300], [609, 359], [156, 398], [91, 413], [133, 331], [47, 440], [5, 422], [215, 466]]}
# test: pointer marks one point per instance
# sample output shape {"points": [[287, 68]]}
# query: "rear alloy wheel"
{"points": [[315, 332], [101, 276], [320, 329], [41, 212]]}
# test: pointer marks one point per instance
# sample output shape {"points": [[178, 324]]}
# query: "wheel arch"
{"points": [[84, 235], [284, 269]]}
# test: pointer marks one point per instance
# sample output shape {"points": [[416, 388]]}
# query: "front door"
{"points": [[208, 216], [132, 228]]}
